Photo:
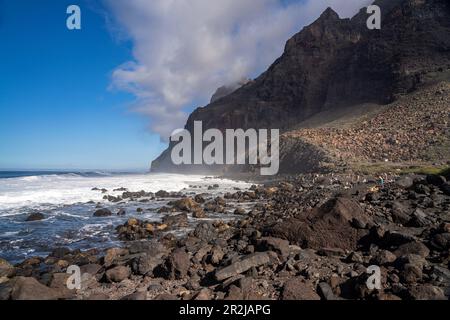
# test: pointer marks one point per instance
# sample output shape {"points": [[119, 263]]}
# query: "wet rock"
{"points": [[112, 199], [198, 213], [240, 211], [243, 265], [118, 274], [214, 207], [185, 204], [60, 252], [299, 289], [35, 217], [179, 220], [103, 213], [162, 194], [199, 199], [121, 212], [166, 210]]}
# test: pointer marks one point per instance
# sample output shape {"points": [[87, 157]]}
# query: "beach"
{"points": [[68, 200]]}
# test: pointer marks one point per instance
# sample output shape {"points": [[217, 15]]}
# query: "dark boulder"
{"points": [[103, 213], [37, 216], [205, 231], [330, 223], [177, 264]]}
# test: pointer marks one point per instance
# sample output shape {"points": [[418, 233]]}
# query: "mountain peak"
{"points": [[329, 14]]}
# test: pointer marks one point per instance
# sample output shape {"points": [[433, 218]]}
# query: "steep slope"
{"points": [[331, 65]]}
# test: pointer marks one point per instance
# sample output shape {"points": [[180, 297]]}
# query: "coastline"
{"points": [[309, 237]]}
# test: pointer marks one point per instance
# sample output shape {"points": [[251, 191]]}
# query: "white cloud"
{"points": [[185, 49]]}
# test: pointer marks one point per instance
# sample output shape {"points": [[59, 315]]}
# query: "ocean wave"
{"points": [[47, 191]]}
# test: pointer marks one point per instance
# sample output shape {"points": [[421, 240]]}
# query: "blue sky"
{"points": [[104, 97], [56, 108]]}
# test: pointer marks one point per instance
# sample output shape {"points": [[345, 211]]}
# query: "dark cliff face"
{"points": [[337, 63]]}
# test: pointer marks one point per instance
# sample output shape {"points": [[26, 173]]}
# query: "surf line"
{"points": [[237, 151]]}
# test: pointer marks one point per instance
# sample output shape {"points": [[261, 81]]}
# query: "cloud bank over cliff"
{"points": [[184, 49]]}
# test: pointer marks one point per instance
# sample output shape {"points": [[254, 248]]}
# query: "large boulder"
{"points": [[25, 288], [114, 256], [242, 265], [426, 292], [205, 231], [118, 274], [333, 223], [59, 282], [177, 264], [37, 216], [416, 248], [145, 263], [103, 213], [186, 204], [179, 220], [279, 246]]}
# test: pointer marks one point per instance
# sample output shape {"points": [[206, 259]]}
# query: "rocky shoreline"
{"points": [[306, 237]]}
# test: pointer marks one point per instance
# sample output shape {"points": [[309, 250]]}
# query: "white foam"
{"points": [[67, 189]]}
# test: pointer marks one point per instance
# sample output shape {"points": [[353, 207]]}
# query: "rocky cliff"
{"points": [[332, 65]]}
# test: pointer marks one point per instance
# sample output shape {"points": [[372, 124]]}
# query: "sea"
{"points": [[68, 201]]}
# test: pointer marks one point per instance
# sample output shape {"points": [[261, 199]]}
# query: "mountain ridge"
{"points": [[332, 64]]}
